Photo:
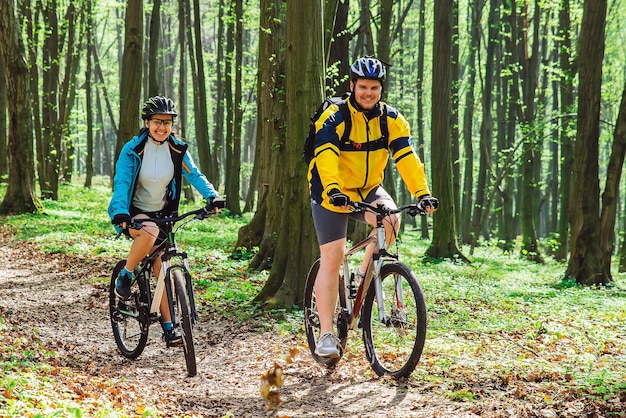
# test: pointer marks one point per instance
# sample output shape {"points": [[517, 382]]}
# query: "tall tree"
{"points": [[154, 69], [31, 17], [20, 196], [585, 262], [262, 230], [566, 86], [464, 213], [4, 160], [444, 243], [200, 100], [130, 84], [89, 108], [220, 100], [339, 53], [525, 81], [297, 245], [234, 113], [610, 196], [486, 165], [421, 59]]}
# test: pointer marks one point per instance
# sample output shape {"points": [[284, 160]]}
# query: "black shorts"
{"points": [[331, 226]]}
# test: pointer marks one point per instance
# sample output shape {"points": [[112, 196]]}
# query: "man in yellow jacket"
{"points": [[352, 170]]}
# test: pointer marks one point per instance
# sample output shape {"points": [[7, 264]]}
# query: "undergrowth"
{"points": [[500, 326]]}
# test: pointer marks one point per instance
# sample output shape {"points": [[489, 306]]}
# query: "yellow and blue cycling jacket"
{"points": [[357, 166]]}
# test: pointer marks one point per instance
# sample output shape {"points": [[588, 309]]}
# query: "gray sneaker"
{"points": [[328, 346]]}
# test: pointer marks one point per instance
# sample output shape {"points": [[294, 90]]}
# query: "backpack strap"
{"points": [[384, 128], [347, 120]]}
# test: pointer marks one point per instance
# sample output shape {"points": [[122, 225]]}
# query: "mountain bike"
{"points": [[389, 304], [130, 319]]}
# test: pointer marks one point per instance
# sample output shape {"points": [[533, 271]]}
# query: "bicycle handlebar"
{"points": [[202, 213], [413, 209]]}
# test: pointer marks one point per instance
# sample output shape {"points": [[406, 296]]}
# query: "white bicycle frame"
{"points": [[160, 287]]}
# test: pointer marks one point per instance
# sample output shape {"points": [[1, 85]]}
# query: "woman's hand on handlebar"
{"points": [[214, 204], [121, 220]]}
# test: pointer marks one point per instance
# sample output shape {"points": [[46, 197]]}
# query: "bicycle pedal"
{"points": [[173, 344]]}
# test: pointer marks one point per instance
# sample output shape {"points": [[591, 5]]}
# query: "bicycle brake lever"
{"points": [[133, 224]]}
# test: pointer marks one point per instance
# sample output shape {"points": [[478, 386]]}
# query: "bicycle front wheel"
{"points": [[311, 318], [394, 322], [182, 313], [127, 321]]}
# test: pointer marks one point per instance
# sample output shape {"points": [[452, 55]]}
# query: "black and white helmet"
{"points": [[158, 105], [369, 68]]}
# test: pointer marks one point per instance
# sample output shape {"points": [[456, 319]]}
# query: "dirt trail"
{"points": [[54, 295]]}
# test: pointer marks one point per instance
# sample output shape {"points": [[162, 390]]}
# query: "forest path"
{"points": [[54, 296]]}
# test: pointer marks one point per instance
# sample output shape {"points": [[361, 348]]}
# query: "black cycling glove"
{"points": [[337, 198], [427, 201], [120, 218], [216, 202]]}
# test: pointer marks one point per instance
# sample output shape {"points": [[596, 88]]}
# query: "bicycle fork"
{"points": [[164, 283]]}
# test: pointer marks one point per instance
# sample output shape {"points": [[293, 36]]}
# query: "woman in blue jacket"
{"points": [[148, 184]]}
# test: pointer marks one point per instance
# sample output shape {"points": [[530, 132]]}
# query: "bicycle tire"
{"points": [[394, 347], [183, 319], [311, 318], [127, 318]]}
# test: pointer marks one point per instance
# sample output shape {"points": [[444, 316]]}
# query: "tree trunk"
{"points": [[130, 84], [486, 166], [233, 142], [611, 189], [218, 113], [68, 90], [262, 230], [421, 140], [585, 263], [567, 147], [49, 100], [4, 159], [444, 243], [339, 53], [89, 108], [200, 101], [20, 195], [297, 245], [467, 196], [154, 69]]}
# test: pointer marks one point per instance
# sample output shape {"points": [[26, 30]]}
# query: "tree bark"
{"points": [[585, 263], [444, 243], [611, 190], [467, 196], [200, 101], [262, 230], [89, 44], [233, 143], [20, 195], [130, 84], [297, 245], [154, 69], [4, 139], [568, 72]]}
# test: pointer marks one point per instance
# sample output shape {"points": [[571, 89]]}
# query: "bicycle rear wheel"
{"points": [[130, 333], [311, 318], [394, 333], [182, 318]]}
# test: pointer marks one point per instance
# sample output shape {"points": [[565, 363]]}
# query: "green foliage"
{"points": [[500, 321]]}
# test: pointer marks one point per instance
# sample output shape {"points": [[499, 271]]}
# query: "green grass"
{"points": [[499, 325]]}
